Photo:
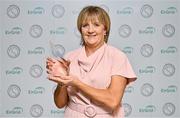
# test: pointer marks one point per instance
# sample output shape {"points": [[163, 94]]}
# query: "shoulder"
{"points": [[115, 52], [72, 54]]}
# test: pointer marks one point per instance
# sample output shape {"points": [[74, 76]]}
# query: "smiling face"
{"points": [[94, 25], [93, 32]]}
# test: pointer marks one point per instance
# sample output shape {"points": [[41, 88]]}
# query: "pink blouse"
{"points": [[96, 70]]}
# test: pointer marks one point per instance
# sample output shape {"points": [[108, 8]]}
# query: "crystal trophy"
{"points": [[58, 52]]}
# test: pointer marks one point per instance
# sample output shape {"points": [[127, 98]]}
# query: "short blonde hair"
{"points": [[90, 13]]}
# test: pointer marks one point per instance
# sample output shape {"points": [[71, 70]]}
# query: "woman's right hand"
{"points": [[57, 67]]}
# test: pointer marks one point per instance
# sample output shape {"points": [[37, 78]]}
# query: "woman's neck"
{"points": [[91, 49]]}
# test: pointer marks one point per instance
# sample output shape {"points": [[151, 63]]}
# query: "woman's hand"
{"points": [[69, 80], [57, 67]]}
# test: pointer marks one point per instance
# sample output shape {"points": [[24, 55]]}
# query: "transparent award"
{"points": [[57, 50]]}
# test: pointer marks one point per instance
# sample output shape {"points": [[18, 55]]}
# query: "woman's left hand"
{"points": [[69, 80]]}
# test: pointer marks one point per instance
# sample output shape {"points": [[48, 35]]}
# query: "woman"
{"points": [[92, 82]]}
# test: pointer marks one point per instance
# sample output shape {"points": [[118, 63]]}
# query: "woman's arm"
{"points": [[54, 68], [61, 96], [111, 97]]}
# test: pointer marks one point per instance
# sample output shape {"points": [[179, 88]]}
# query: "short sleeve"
{"points": [[67, 56], [121, 66], [71, 55]]}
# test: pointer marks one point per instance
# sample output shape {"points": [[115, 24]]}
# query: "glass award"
{"points": [[57, 50]]}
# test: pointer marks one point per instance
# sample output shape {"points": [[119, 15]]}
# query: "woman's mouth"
{"points": [[91, 35]]}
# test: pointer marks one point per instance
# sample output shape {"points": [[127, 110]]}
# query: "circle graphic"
{"points": [[58, 11], [125, 31], [35, 71], [168, 69], [13, 91], [36, 31], [169, 109], [13, 11], [146, 11], [36, 110], [58, 50], [146, 50], [168, 30], [147, 89], [127, 109], [13, 51]]}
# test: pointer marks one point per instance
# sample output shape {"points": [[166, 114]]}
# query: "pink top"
{"points": [[96, 70]]}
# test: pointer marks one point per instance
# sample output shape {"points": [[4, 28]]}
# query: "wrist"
{"points": [[76, 83], [60, 85]]}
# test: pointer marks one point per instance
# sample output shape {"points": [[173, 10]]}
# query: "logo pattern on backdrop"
{"points": [[13, 51], [14, 91], [147, 11], [152, 48], [36, 110], [13, 11]]}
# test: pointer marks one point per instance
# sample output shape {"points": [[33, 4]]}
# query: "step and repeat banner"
{"points": [[146, 30]]}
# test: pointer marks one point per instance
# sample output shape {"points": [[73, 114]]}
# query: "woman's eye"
{"points": [[96, 24], [85, 25]]}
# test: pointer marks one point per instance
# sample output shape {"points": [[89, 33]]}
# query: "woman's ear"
{"points": [[105, 32]]}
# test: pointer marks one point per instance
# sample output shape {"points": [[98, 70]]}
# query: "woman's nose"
{"points": [[91, 28]]}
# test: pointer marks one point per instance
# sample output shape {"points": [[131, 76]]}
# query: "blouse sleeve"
{"points": [[69, 56], [121, 66]]}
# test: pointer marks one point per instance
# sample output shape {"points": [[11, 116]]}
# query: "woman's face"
{"points": [[93, 33]]}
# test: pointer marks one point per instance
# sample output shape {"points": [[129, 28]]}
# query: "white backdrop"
{"points": [[146, 30]]}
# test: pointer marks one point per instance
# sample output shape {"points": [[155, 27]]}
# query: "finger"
{"points": [[64, 77], [48, 66], [68, 62], [61, 62], [59, 80], [59, 76], [50, 77], [52, 80], [56, 79], [64, 62], [51, 60], [49, 71], [54, 60]]}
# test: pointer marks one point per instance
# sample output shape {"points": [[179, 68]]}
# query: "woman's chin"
{"points": [[91, 44]]}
